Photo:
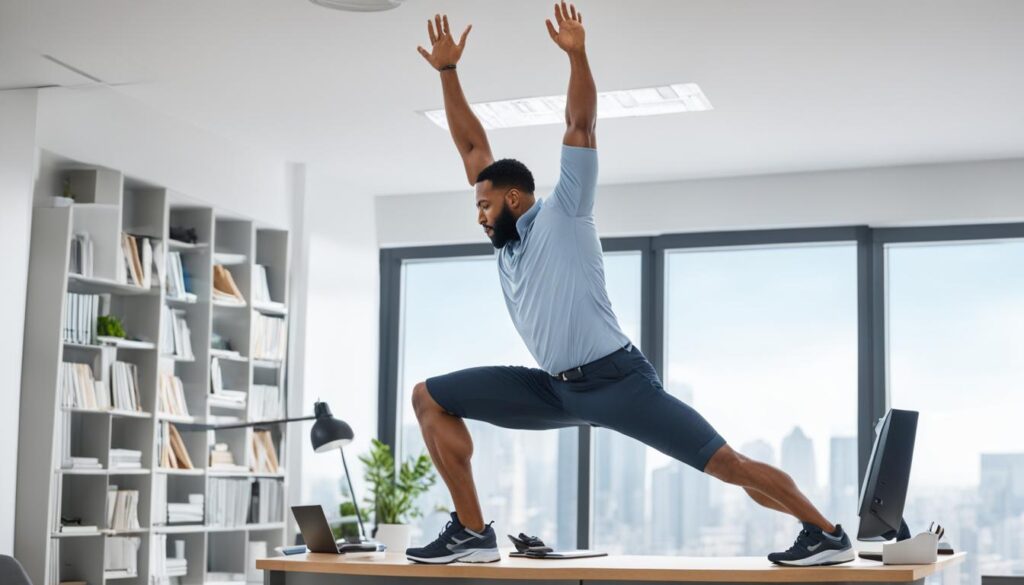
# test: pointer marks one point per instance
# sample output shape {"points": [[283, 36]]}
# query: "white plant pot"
{"points": [[395, 536]]}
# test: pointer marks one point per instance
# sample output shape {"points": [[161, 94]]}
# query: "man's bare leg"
{"points": [[774, 485], [451, 449]]}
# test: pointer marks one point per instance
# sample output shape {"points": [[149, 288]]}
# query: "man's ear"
{"points": [[512, 198]]}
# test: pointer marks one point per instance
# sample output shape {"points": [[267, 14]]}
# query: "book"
{"points": [[269, 337], [224, 287], [171, 395], [263, 455], [173, 454]]}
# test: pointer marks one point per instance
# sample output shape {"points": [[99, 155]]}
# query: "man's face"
{"points": [[495, 212]]}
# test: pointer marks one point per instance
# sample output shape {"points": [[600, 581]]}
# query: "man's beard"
{"points": [[504, 228]]}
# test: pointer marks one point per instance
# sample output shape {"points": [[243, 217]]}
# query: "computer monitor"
{"points": [[884, 491]]}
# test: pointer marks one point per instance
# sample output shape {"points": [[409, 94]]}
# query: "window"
{"points": [[956, 354], [453, 316], [761, 334], [762, 342]]}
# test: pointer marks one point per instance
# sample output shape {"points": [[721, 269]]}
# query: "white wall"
{"points": [[17, 168], [341, 341], [103, 127], [973, 192]]}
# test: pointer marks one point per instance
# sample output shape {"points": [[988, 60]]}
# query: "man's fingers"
{"points": [[565, 10], [424, 52], [430, 29], [558, 14], [462, 39], [572, 11], [437, 26], [551, 30], [444, 20], [580, 15]]}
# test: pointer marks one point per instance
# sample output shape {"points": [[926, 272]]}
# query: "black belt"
{"points": [[579, 372]]}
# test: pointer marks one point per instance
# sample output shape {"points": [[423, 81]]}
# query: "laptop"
{"points": [[316, 532]]}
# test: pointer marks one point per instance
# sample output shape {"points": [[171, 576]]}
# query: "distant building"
{"points": [[798, 460]]}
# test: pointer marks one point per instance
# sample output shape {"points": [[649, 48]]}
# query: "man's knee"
{"points": [[727, 465], [422, 402]]}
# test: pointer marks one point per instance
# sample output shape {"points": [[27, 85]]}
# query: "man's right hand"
{"points": [[444, 50]]}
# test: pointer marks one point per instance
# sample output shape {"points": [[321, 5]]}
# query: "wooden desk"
{"points": [[393, 568]]}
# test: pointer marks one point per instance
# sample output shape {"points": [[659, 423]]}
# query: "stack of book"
{"points": [[125, 459], [171, 395], [262, 452], [224, 288], [80, 261], [175, 335], [137, 265], [178, 283], [122, 509], [175, 567], [78, 389], [268, 338], [266, 501], [164, 569], [228, 503], [222, 459], [75, 462], [190, 512], [78, 529], [124, 378], [121, 557], [265, 403], [173, 454], [80, 313]]}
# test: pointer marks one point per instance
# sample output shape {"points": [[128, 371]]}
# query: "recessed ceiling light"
{"points": [[625, 103], [359, 5]]}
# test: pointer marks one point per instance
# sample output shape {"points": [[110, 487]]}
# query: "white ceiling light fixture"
{"points": [[624, 103], [359, 5]]}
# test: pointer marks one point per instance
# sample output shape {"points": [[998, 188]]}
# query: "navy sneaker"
{"points": [[458, 543], [815, 547]]}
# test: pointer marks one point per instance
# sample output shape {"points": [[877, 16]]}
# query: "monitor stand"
{"points": [[904, 534]]}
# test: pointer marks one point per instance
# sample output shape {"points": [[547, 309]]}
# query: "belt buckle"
{"points": [[571, 375]]}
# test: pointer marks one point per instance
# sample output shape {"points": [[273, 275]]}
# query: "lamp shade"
{"points": [[328, 432]]}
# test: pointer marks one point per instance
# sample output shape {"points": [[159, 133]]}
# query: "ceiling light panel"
{"points": [[625, 103]]}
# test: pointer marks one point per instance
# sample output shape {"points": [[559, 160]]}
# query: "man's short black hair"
{"points": [[508, 172]]}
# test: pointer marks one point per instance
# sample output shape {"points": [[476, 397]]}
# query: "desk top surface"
{"points": [[616, 567]]}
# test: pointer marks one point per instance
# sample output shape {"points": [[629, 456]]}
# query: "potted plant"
{"points": [[394, 493]]}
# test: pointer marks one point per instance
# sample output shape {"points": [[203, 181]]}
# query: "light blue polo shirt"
{"points": [[553, 276]]}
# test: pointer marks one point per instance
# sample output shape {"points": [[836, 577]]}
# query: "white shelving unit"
{"points": [[108, 204]]}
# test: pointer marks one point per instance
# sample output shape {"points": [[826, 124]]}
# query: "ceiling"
{"points": [[796, 84]]}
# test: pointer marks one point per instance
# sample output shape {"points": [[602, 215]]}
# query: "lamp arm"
{"points": [[348, 478]]}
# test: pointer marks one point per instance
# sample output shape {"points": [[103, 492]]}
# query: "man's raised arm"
{"points": [[581, 101], [467, 132]]}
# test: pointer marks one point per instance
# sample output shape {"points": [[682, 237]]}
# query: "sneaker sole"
{"points": [[824, 558], [478, 555]]}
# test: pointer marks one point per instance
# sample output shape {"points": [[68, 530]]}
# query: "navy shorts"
{"points": [[620, 391]]}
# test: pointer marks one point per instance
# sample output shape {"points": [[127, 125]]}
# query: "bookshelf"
{"points": [[122, 444]]}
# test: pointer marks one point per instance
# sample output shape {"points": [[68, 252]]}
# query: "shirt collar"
{"points": [[525, 221]]}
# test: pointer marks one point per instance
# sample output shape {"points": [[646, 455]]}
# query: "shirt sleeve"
{"points": [[577, 183]]}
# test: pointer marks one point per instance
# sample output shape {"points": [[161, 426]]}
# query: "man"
{"points": [[552, 276]]}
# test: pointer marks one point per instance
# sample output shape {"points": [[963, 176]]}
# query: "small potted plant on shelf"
{"points": [[66, 197], [394, 493]]}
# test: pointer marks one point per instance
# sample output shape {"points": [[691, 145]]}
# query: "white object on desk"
{"points": [[920, 550]]}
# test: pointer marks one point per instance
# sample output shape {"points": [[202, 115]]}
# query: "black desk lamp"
{"points": [[327, 433], [330, 433]]}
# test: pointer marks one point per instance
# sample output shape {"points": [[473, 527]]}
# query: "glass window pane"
{"points": [[762, 342], [956, 354], [453, 316]]}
